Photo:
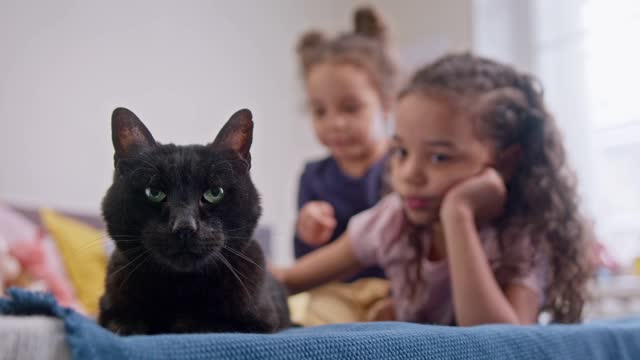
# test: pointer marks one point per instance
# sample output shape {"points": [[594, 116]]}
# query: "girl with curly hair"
{"points": [[483, 224]]}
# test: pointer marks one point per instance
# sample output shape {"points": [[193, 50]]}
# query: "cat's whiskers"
{"points": [[106, 238], [241, 255], [238, 236], [233, 271], [101, 238], [127, 239], [102, 241], [88, 245], [122, 235], [129, 263], [136, 268], [136, 248], [241, 228]]}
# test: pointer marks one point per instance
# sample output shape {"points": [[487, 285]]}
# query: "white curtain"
{"points": [[587, 55]]}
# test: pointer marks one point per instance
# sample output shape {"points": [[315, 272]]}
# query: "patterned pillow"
{"points": [[37, 254]]}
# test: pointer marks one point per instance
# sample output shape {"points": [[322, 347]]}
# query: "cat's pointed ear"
{"points": [[237, 134], [128, 133]]}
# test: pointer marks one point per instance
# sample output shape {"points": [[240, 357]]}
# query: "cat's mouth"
{"points": [[180, 252], [186, 260]]}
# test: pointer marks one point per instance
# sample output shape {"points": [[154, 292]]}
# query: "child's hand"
{"points": [[383, 310], [316, 223], [484, 195]]}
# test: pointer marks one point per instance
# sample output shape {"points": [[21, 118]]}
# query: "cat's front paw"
{"points": [[125, 328], [184, 325]]}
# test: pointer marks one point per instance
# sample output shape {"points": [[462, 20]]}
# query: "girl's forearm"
{"points": [[328, 263], [477, 297]]}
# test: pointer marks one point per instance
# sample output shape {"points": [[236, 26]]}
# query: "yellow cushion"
{"points": [[84, 257]]}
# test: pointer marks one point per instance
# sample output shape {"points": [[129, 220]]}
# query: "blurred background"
{"points": [[184, 67]]}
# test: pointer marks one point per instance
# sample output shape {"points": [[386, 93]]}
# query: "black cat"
{"points": [[183, 218]]}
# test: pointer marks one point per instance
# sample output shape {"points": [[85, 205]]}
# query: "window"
{"points": [[587, 56]]}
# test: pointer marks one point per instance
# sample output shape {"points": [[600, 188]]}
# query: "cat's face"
{"points": [[183, 206]]}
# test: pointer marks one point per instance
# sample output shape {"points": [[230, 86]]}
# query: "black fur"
{"points": [[184, 264]]}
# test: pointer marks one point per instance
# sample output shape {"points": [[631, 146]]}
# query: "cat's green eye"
{"points": [[155, 195], [213, 196]]}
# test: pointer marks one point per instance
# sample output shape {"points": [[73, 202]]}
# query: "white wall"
{"points": [[183, 67], [423, 30], [502, 29]]}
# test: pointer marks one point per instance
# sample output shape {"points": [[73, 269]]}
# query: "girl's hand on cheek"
{"points": [[482, 197]]}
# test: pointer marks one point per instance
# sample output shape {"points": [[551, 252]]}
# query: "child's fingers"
{"points": [[316, 238], [319, 232], [323, 214], [327, 222], [316, 223], [325, 208], [324, 224], [324, 236]]}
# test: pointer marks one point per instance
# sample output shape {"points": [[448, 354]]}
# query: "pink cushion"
{"points": [[15, 227]]}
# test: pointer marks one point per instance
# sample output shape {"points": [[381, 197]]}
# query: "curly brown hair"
{"points": [[367, 48], [507, 109]]}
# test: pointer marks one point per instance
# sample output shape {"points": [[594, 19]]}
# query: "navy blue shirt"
{"points": [[324, 181]]}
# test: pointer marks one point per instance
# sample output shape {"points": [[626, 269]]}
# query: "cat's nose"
{"points": [[185, 233], [185, 228]]}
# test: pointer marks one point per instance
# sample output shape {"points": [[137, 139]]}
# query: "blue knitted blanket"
{"points": [[617, 340]]}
